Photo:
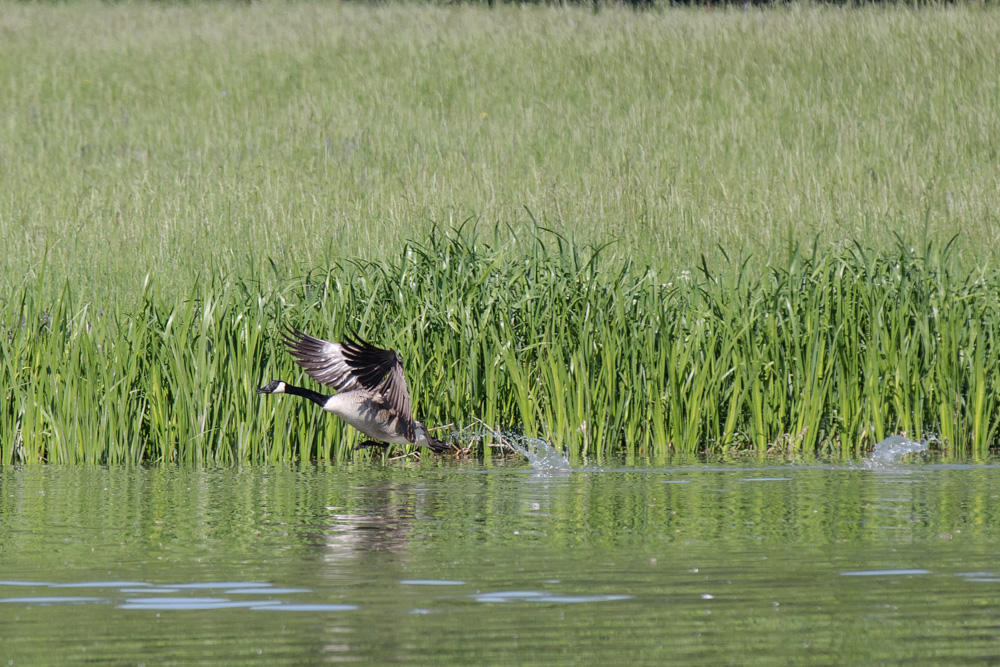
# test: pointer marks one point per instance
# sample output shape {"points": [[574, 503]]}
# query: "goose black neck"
{"points": [[314, 396]]}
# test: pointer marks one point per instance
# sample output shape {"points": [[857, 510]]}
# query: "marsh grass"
{"points": [[827, 355], [181, 180]]}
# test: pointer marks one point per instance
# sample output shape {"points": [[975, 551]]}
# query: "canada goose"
{"points": [[371, 388]]}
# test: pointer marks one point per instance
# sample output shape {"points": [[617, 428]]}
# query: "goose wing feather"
{"points": [[355, 364]]}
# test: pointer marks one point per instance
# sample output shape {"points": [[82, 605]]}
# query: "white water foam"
{"points": [[542, 456], [890, 452]]}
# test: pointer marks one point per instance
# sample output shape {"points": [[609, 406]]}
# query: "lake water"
{"points": [[457, 563]]}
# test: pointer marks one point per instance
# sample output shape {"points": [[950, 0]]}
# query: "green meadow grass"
{"points": [[178, 181], [184, 140]]}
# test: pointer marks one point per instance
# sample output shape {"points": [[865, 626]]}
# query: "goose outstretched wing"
{"points": [[355, 364]]}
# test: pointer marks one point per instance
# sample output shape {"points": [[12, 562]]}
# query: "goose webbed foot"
{"points": [[370, 443]]}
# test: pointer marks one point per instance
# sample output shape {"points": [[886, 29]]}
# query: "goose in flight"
{"points": [[372, 395]]}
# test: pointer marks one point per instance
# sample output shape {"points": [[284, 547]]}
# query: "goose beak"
{"points": [[275, 387]]}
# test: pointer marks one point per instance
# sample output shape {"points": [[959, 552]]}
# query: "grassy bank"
{"points": [[184, 141], [828, 354], [178, 181]]}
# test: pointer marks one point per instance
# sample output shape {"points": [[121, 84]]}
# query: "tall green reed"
{"points": [[827, 353]]}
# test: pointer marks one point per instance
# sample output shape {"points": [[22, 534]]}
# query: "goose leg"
{"points": [[370, 443]]}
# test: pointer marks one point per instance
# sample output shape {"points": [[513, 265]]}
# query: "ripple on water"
{"points": [[980, 577], [154, 597], [210, 585], [539, 596], [884, 573], [307, 607], [260, 590], [167, 603], [51, 599], [98, 584]]}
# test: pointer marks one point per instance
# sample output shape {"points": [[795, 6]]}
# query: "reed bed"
{"points": [[826, 355], [180, 180]]}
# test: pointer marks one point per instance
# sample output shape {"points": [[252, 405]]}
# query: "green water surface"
{"points": [[445, 563]]}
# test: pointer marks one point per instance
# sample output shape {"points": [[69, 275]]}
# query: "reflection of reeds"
{"points": [[828, 351]]}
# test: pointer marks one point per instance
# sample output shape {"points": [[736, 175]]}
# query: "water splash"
{"points": [[542, 456], [891, 451]]}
